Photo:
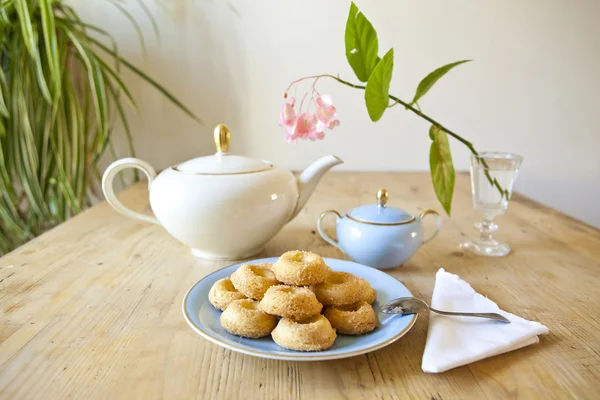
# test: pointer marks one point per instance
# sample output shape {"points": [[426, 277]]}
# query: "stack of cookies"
{"points": [[286, 299]]}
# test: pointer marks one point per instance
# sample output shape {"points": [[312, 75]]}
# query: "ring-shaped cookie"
{"points": [[222, 293], [253, 280], [354, 319], [339, 288], [311, 334], [301, 268], [245, 318], [290, 302], [368, 293]]}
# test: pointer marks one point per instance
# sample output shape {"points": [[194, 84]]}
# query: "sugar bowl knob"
{"points": [[382, 197]]}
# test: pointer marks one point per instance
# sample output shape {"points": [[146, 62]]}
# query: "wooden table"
{"points": [[92, 309]]}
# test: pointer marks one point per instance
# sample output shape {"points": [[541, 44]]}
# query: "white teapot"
{"points": [[223, 206]]}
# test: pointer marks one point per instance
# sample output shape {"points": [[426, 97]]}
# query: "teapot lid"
{"points": [[222, 162], [379, 214]]}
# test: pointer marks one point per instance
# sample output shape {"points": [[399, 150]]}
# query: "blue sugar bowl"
{"points": [[379, 236]]}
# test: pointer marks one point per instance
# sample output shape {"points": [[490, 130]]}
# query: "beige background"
{"points": [[533, 88]]}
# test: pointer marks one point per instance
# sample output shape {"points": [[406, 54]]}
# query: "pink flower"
{"points": [[333, 123], [287, 114], [301, 122], [305, 124], [317, 133], [290, 134], [325, 110], [301, 127]]}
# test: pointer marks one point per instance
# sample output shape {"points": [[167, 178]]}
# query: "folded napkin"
{"points": [[455, 341]]}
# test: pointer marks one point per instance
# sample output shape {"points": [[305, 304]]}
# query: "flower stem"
{"points": [[456, 136]]}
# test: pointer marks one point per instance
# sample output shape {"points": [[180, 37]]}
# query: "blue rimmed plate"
{"points": [[203, 318]]}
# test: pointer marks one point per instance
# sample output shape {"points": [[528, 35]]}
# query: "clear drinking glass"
{"points": [[493, 175]]}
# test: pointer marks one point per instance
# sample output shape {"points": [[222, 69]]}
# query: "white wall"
{"points": [[533, 88]]}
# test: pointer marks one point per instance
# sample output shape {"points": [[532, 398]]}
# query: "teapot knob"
{"points": [[222, 136], [382, 197]]}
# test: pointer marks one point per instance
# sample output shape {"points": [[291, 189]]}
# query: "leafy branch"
{"points": [[361, 52]]}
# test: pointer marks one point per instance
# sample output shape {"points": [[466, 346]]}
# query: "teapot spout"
{"points": [[308, 179]]}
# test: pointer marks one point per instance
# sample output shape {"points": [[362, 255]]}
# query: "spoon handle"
{"points": [[493, 316]]}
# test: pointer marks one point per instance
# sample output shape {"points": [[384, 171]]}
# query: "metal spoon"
{"points": [[412, 305]]}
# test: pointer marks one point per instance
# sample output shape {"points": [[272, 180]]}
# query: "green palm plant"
{"points": [[60, 88]]}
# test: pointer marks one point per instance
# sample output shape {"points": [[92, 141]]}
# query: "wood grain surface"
{"points": [[92, 309]]}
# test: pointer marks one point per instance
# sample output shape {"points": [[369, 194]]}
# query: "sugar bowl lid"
{"points": [[222, 162], [380, 214]]}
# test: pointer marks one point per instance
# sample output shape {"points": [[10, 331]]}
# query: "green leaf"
{"points": [[442, 169], [151, 81], [101, 103], [133, 22], [49, 34], [148, 13], [17, 51], [98, 90], [24, 153], [39, 69], [120, 84], [79, 141], [4, 18], [378, 87], [78, 22], [25, 23], [117, 102], [428, 82], [3, 87], [59, 146], [233, 9], [361, 44]]}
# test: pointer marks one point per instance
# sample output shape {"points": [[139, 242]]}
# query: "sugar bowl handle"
{"points": [[324, 235], [439, 223]]}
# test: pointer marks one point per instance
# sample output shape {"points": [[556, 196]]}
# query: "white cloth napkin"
{"points": [[455, 341]]}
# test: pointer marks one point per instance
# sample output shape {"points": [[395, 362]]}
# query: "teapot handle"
{"points": [[324, 235], [439, 223], [109, 192]]}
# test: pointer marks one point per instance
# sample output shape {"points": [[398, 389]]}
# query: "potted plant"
{"points": [[60, 88]]}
